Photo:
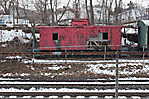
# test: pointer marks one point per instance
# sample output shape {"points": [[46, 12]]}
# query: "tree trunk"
{"points": [[116, 12], [17, 10], [52, 12], [56, 15], [87, 12], [6, 5], [109, 11], [45, 12], [91, 12], [77, 8]]}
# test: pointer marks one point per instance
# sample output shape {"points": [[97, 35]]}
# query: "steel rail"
{"points": [[73, 84], [73, 80], [132, 86], [74, 94]]}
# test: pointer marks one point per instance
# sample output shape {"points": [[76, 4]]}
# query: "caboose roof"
{"points": [[90, 26]]}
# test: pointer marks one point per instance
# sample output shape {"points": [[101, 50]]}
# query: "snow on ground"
{"points": [[15, 74], [129, 68], [56, 67], [14, 57], [62, 61], [67, 90], [80, 61], [107, 67], [73, 83], [6, 35], [10, 79]]}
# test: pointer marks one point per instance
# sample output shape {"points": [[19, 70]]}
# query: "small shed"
{"points": [[143, 33]]}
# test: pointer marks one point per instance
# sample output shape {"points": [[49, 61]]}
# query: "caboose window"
{"points": [[105, 35], [55, 36]]}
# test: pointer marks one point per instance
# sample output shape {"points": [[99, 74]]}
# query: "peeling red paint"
{"points": [[76, 36]]}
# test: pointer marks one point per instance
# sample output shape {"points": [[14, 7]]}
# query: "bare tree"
{"points": [[41, 7], [118, 9], [56, 9], [6, 5], [65, 9], [86, 7], [77, 9], [52, 12], [107, 10], [110, 10], [91, 12], [17, 10], [48, 11], [101, 11]]}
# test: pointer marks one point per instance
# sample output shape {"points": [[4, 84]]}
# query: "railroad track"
{"points": [[74, 94], [83, 86], [76, 80], [91, 84], [74, 83], [58, 84]]}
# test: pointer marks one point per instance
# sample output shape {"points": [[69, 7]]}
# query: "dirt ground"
{"points": [[60, 71], [16, 68]]}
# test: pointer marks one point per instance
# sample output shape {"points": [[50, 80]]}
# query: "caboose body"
{"points": [[79, 36]]}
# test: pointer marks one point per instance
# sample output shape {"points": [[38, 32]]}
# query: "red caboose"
{"points": [[79, 37]]}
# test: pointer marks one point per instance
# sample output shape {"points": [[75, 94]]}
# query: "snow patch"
{"points": [[6, 35], [66, 90], [109, 69], [14, 57], [56, 67]]}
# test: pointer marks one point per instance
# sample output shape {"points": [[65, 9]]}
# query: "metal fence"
{"points": [[93, 63], [129, 70]]}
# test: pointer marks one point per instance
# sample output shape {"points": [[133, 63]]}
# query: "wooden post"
{"points": [[105, 48], [143, 56], [34, 38], [116, 77]]}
